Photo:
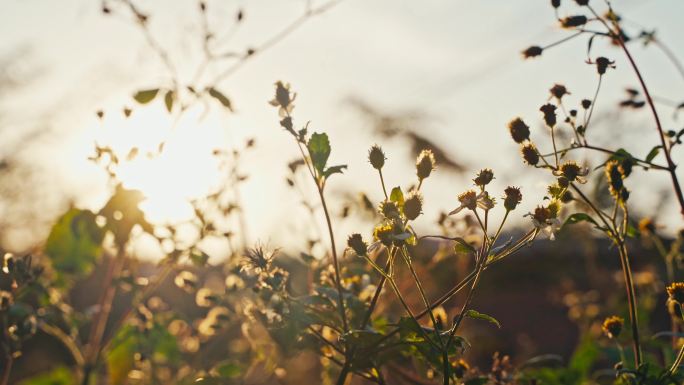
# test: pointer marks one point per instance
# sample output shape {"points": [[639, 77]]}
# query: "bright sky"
{"points": [[456, 61]]}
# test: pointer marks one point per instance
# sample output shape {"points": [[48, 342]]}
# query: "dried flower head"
{"points": [[512, 197], [545, 219], [484, 177], [530, 154], [468, 201], [549, 111], [283, 98], [425, 164], [612, 326], [413, 205], [520, 131], [586, 103], [485, 201], [572, 171], [376, 157], [602, 65], [532, 51], [615, 181], [676, 292], [573, 21], [558, 91], [257, 260], [582, 2], [555, 3], [356, 243], [389, 209]]}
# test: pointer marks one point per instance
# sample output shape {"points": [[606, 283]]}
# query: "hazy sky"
{"points": [[457, 62]]}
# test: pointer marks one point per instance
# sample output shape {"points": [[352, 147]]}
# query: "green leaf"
{"points": [[462, 246], [146, 96], [168, 100], [334, 170], [580, 217], [653, 153], [362, 338], [485, 317], [397, 197], [58, 376], [122, 214], [228, 369], [319, 150], [223, 99], [74, 243]]}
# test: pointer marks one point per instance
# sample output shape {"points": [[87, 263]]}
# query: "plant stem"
{"points": [[8, 369]]}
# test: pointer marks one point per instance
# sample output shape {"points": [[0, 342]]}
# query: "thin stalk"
{"points": [[8, 369], [680, 356], [382, 181], [666, 150], [593, 104]]}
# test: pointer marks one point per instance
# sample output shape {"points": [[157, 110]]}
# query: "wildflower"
{"points": [[485, 202], [484, 177], [558, 91], [413, 205], [549, 111], [532, 51], [383, 233], [602, 65], [647, 226], [283, 98], [530, 154], [612, 326], [356, 243], [586, 103], [468, 201], [376, 157], [520, 131], [676, 292], [573, 21], [572, 172], [425, 164], [512, 198], [544, 219]]}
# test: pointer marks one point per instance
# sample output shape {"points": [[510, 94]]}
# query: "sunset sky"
{"points": [[456, 62]]}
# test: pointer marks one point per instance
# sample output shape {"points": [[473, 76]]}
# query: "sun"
{"points": [[168, 158]]}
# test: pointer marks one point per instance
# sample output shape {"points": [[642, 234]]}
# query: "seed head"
{"points": [[541, 214], [530, 154], [376, 157], [389, 209], [676, 292], [532, 51], [468, 199], [612, 326], [571, 170], [512, 197], [356, 243], [582, 2], [413, 205], [555, 3], [282, 95], [586, 103], [558, 91], [614, 177], [484, 177], [602, 65], [520, 131], [549, 111], [425, 164], [573, 21]]}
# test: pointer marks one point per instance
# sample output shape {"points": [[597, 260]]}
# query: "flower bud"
{"points": [[520, 131], [549, 111], [530, 154], [425, 164], [356, 243], [512, 198], [376, 157], [413, 205]]}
